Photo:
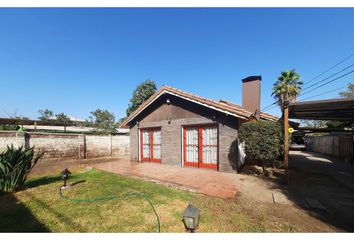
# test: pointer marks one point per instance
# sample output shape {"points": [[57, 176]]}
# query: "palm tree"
{"points": [[287, 87]]}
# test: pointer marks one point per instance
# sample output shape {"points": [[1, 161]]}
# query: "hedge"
{"points": [[263, 143]]}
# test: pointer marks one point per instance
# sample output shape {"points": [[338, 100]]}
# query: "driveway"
{"points": [[324, 186]]}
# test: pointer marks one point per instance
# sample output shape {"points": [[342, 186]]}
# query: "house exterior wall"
{"points": [[171, 118]]}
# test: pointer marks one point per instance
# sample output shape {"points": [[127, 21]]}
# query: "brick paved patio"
{"points": [[208, 182]]}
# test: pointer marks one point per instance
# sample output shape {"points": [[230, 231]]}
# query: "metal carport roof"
{"points": [[329, 109], [16, 121]]}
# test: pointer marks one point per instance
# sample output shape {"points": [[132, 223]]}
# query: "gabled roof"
{"points": [[221, 106], [263, 115]]}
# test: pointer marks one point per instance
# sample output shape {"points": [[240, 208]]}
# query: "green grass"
{"points": [[39, 208]]}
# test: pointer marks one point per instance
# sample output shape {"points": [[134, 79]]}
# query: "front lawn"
{"points": [[40, 207]]}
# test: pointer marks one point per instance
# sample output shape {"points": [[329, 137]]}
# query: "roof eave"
{"points": [[164, 91]]}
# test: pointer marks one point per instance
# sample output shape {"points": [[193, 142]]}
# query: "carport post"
{"points": [[286, 136], [353, 146]]}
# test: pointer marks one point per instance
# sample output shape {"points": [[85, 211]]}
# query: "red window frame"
{"points": [[151, 145], [200, 163]]}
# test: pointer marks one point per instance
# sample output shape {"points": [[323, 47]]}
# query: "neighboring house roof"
{"points": [[122, 130], [59, 128], [221, 106]]}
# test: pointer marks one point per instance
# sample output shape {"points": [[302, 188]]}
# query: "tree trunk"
{"points": [[263, 167]]}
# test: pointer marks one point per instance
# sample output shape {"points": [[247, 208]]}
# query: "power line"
{"points": [[333, 90], [272, 107], [269, 105], [337, 78], [329, 69], [328, 77]]}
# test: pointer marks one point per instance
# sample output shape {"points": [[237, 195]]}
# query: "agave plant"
{"points": [[15, 165]]}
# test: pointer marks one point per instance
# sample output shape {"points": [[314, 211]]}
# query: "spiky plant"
{"points": [[15, 165]]}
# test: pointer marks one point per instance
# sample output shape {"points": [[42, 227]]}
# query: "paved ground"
{"points": [[213, 183], [323, 186]]}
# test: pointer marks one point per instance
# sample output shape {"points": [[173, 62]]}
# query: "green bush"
{"points": [[15, 165], [263, 142]]}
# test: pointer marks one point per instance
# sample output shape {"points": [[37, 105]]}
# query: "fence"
{"points": [[340, 146], [68, 146]]}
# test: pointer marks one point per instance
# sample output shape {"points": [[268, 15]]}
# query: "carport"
{"points": [[21, 122], [340, 109]]}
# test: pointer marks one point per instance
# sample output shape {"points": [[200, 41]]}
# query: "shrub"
{"points": [[15, 165], [264, 142]]}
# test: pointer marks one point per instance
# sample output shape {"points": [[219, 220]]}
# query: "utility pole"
{"points": [[286, 136]]}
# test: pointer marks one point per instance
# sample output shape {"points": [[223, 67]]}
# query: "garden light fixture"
{"points": [[65, 176], [191, 217]]}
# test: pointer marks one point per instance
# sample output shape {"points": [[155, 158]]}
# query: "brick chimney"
{"points": [[251, 94]]}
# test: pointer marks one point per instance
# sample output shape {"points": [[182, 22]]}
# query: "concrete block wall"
{"points": [[16, 138], [68, 146], [98, 146], [56, 146], [340, 146], [120, 145]]}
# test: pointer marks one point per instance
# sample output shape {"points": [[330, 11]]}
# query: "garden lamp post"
{"points": [[65, 176], [191, 217]]}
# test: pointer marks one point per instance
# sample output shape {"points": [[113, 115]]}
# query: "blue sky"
{"points": [[77, 60]]}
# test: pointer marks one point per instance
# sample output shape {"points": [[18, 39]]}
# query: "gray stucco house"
{"points": [[178, 128]]}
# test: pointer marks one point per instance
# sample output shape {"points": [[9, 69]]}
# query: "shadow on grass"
{"points": [[15, 217], [60, 216], [42, 181]]}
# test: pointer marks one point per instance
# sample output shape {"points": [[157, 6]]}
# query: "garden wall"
{"points": [[340, 146], [68, 146]]}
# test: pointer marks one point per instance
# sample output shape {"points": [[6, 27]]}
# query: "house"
{"points": [[178, 128]]}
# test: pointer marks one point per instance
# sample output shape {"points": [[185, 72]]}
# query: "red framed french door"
{"points": [[150, 144], [201, 146]]}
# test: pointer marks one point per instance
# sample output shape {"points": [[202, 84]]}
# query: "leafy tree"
{"points": [[287, 87], [264, 142], [142, 92], [103, 119], [313, 123], [8, 127], [349, 93], [62, 117], [121, 120], [45, 114], [338, 124]]}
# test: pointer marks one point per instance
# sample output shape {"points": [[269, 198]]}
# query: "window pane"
{"points": [[146, 151], [210, 141], [192, 145]]}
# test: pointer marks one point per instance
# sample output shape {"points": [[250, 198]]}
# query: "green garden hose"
{"points": [[111, 197]]}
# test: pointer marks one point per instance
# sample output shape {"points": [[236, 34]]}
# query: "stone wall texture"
{"points": [[68, 146]]}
